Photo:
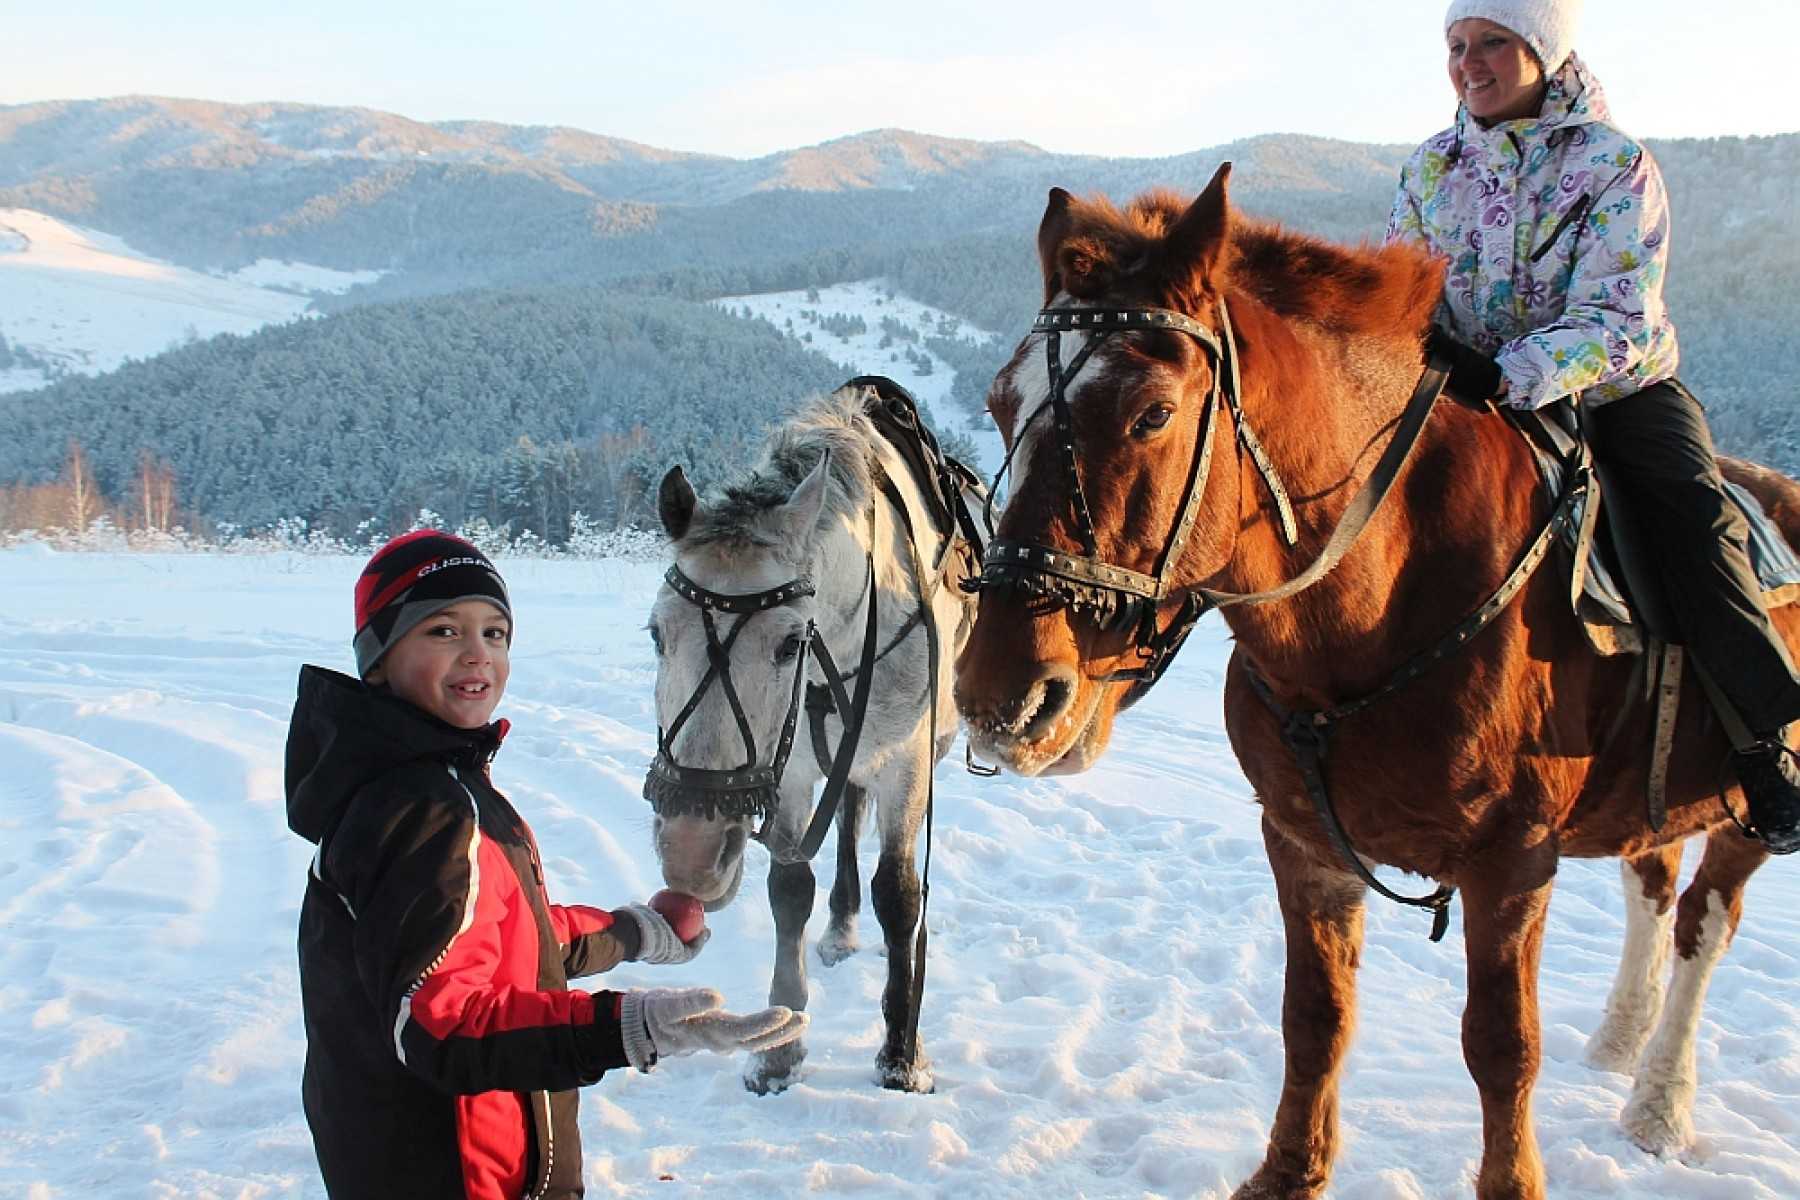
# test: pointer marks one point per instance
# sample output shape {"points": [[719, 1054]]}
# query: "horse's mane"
{"points": [[834, 422], [1362, 289]]}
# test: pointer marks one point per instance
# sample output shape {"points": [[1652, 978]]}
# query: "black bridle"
{"points": [[1117, 595], [752, 791]]}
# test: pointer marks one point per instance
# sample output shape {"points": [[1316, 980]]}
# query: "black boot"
{"points": [[1771, 782]]}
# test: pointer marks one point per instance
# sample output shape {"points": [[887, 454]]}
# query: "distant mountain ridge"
{"points": [[82, 138], [464, 203]]}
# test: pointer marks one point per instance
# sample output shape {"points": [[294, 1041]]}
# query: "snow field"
{"points": [[1103, 992]]}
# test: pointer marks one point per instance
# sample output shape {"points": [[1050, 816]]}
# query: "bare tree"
{"points": [[156, 492], [84, 497]]}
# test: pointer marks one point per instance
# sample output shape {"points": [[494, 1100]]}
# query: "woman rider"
{"points": [[1556, 228]]}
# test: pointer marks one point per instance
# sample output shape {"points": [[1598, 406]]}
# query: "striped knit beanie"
{"points": [[1548, 26], [411, 578]]}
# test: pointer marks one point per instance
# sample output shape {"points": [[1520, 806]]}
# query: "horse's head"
{"points": [[1103, 412], [731, 626]]}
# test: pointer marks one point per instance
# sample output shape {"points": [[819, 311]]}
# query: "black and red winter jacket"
{"points": [[443, 1046]]}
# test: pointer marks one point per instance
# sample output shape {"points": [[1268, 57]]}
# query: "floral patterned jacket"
{"points": [[1556, 228]]}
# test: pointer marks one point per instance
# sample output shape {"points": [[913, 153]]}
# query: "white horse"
{"points": [[779, 566]]}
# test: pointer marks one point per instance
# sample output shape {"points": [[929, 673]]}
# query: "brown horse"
{"points": [[1484, 770]]}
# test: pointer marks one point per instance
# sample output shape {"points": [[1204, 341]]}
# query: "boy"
{"points": [[444, 1046]]}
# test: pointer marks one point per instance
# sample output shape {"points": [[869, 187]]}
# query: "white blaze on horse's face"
{"points": [[1034, 422]]}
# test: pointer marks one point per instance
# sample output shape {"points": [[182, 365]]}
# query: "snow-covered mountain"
{"points": [[77, 301]]}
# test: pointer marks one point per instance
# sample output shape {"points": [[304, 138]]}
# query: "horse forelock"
{"points": [[734, 515]]}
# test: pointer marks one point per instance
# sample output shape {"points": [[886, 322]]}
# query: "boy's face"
{"points": [[452, 664]]}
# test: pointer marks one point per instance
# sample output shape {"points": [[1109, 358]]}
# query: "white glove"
{"points": [[657, 942], [665, 1022]]}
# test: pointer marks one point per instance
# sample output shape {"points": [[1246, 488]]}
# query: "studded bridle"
{"points": [[752, 791], [1117, 596]]}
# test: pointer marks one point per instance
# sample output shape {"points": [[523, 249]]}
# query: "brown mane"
{"points": [[1362, 289]]}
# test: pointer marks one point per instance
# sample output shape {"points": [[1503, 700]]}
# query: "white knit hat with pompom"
{"points": [[1548, 26]]}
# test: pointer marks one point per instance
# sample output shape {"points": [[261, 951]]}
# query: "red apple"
{"points": [[683, 913]]}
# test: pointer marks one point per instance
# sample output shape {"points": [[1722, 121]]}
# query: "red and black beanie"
{"points": [[412, 577]]}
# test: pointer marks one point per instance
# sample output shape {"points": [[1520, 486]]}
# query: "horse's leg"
{"points": [[895, 892], [1505, 896], [1637, 991], [791, 891], [1659, 1116], [839, 940], [1322, 911]]}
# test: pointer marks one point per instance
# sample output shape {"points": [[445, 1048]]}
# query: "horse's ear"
{"points": [[1197, 242], [800, 515], [1051, 232], [675, 503]]}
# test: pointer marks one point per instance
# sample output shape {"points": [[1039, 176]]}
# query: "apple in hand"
{"points": [[683, 913]]}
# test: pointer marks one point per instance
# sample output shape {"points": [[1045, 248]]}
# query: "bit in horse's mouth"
{"points": [[1039, 756]]}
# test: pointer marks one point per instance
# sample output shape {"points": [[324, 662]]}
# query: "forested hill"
{"points": [[520, 408]]}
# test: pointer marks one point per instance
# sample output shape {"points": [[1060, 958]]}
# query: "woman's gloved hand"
{"points": [[1474, 376], [665, 1022]]}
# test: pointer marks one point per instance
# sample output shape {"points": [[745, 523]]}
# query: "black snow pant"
{"points": [[1655, 447]]}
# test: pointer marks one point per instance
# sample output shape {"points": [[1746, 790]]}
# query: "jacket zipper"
{"points": [[1569, 218], [549, 1148], [543, 1186]]}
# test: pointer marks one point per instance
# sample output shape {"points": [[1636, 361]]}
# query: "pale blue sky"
{"points": [[1140, 78]]}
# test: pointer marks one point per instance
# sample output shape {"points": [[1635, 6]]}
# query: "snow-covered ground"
{"points": [[1103, 995], [803, 316], [85, 301]]}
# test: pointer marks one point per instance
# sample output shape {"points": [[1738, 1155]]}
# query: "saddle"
{"points": [[1620, 600], [942, 480]]}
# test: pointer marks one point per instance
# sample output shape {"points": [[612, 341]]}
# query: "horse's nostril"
{"points": [[1058, 692]]}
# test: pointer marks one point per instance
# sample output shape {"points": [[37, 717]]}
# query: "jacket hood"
{"points": [[345, 733], [1574, 98]]}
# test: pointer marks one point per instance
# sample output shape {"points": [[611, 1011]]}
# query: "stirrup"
{"points": [[1784, 841]]}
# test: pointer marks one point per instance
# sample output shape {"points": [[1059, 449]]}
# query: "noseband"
{"points": [[1117, 595]]}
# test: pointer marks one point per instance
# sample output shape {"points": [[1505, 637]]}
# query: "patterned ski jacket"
{"points": [[443, 1045], [1556, 228]]}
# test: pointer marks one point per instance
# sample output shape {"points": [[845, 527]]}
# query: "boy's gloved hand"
{"points": [[663, 1022], [657, 942]]}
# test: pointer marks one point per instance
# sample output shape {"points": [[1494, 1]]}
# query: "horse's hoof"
{"points": [[1658, 1121], [1268, 1185], [771, 1072], [834, 947], [913, 1077]]}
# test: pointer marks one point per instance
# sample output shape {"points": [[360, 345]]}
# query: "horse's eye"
{"points": [[655, 639], [790, 646], [1151, 420]]}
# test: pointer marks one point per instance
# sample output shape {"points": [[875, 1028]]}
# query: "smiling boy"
{"points": [[444, 1045]]}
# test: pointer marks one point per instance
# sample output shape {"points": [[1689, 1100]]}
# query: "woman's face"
{"points": [[1494, 72]]}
